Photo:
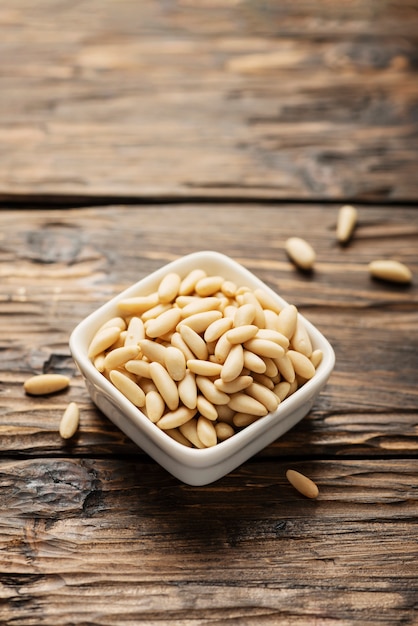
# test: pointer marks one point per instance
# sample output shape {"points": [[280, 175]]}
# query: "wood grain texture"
{"points": [[93, 531], [114, 541], [181, 99]]}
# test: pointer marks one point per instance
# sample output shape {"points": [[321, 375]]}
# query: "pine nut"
{"points": [[210, 391], [102, 340], [300, 339], [187, 390], [195, 342], [302, 483], [135, 332], [69, 421], [138, 304], [177, 341], [263, 395], [200, 321], [206, 432], [204, 368], [131, 390], [234, 363], [243, 333], [169, 287], [228, 288], [174, 419], [287, 320], [273, 335], [347, 219], [242, 403], [267, 301], [217, 328], [44, 384], [138, 367], [165, 385], [244, 315], [187, 285], [240, 420], [316, 358], [285, 367], [223, 431], [264, 347], [163, 324], [300, 252], [154, 406], [222, 349], [254, 363], [238, 384], [175, 434], [119, 356], [152, 350], [282, 390], [209, 285], [175, 363], [391, 271], [189, 430], [301, 364], [206, 408], [200, 305]]}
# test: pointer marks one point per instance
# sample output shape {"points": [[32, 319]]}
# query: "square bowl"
{"points": [[195, 466]]}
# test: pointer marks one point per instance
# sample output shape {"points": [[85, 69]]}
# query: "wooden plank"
{"points": [[57, 266], [115, 542], [286, 100]]}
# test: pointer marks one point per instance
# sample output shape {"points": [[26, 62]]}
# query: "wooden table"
{"points": [[133, 133]]}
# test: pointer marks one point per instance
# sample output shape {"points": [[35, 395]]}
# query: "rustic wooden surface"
{"points": [[210, 98], [132, 133], [95, 532]]}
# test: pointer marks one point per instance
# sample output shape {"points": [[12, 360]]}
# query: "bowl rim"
{"points": [[85, 329]]}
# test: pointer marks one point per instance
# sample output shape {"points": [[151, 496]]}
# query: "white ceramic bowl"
{"points": [[190, 465]]}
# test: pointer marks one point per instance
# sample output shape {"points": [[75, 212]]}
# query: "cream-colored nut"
{"points": [[164, 323], [175, 434], [229, 288], [177, 341], [69, 421], [138, 304], [316, 357], [206, 408], [243, 333], [44, 384], [128, 387], [206, 431], [301, 364], [234, 363], [135, 332], [300, 252], [282, 390], [119, 356], [211, 391], [302, 483], [200, 321], [223, 431], [240, 420], [114, 321], [152, 350], [249, 298], [195, 342], [264, 347], [263, 395], [238, 384], [188, 283], [189, 430], [200, 305], [285, 367], [264, 380], [154, 405], [217, 328], [390, 270], [271, 368], [267, 300], [176, 418], [165, 385], [204, 368], [187, 390], [273, 335], [175, 363], [346, 223], [209, 285], [222, 349], [287, 320], [300, 339], [102, 340], [138, 367], [155, 311], [169, 287], [242, 403], [244, 315], [254, 363]]}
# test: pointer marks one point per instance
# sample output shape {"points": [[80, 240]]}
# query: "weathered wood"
{"points": [[112, 542], [303, 100], [62, 265]]}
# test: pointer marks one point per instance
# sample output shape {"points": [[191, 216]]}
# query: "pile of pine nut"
{"points": [[203, 358]]}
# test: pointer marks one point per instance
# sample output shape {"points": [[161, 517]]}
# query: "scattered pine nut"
{"points": [[390, 270], [302, 483], [347, 219], [44, 384], [300, 252], [69, 421]]}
